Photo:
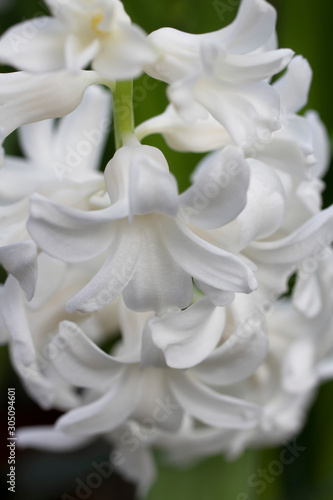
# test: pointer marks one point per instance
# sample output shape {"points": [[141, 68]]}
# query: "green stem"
{"points": [[123, 111]]}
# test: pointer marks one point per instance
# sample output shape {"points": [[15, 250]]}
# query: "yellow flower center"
{"points": [[95, 22]]}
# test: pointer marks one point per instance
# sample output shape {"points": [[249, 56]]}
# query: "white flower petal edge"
{"points": [[239, 355], [207, 263], [30, 98], [79, 139], [23, 352], [144, 215], [294, 86], [219, 193], [211, 407], [20, 260], [185, 338], [298, 245], [100, 370], [202, 135], [220, 72], [266, 206], [69, 150], [47, 438], [86, 234], [98, 32], [107, 412]]}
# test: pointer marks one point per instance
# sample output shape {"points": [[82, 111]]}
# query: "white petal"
{"points": [[128, 159], [181, 95], [124, 53], [64, 10], [285, 152], [293, 87], [235, 68], [81, 362], [307, 295], [131, 325], [151, 187], [79, 55], [307, 241], [207, 263], [4, 335], [29, 98], [211, 407], [18, 168], [252, 27], [216, 296], [22, 349], [158, 282], [35, 140], [321, 143], [113, 277], [186, 337], [70, 234], [80, 137], [236, 358], [51, 275], [16, 322], [158, 401], [266, 204], [298, 368], [138, 467], [178, 54], [203, 442], [218, 193], [248, 111], [13, 218], [107, 412], [20, 260], [309, 197], [299, 130], [197, 136], [47, 438], [34, 45]]}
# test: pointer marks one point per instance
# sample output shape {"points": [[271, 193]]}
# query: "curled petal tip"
{"points": [[253, 284]]}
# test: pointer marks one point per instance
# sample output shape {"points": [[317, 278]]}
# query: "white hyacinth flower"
{"points": [[28, 328], [54, 153], [285, 384], [69, 150], [29, 98], [81, 32], [223, 73], [120, 388], [153, 253], [155, 319]]}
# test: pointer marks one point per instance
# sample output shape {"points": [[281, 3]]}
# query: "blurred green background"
{"points": [[306, 27]]}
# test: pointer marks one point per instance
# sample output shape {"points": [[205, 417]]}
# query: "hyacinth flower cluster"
{"points": [[212, 351]]}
